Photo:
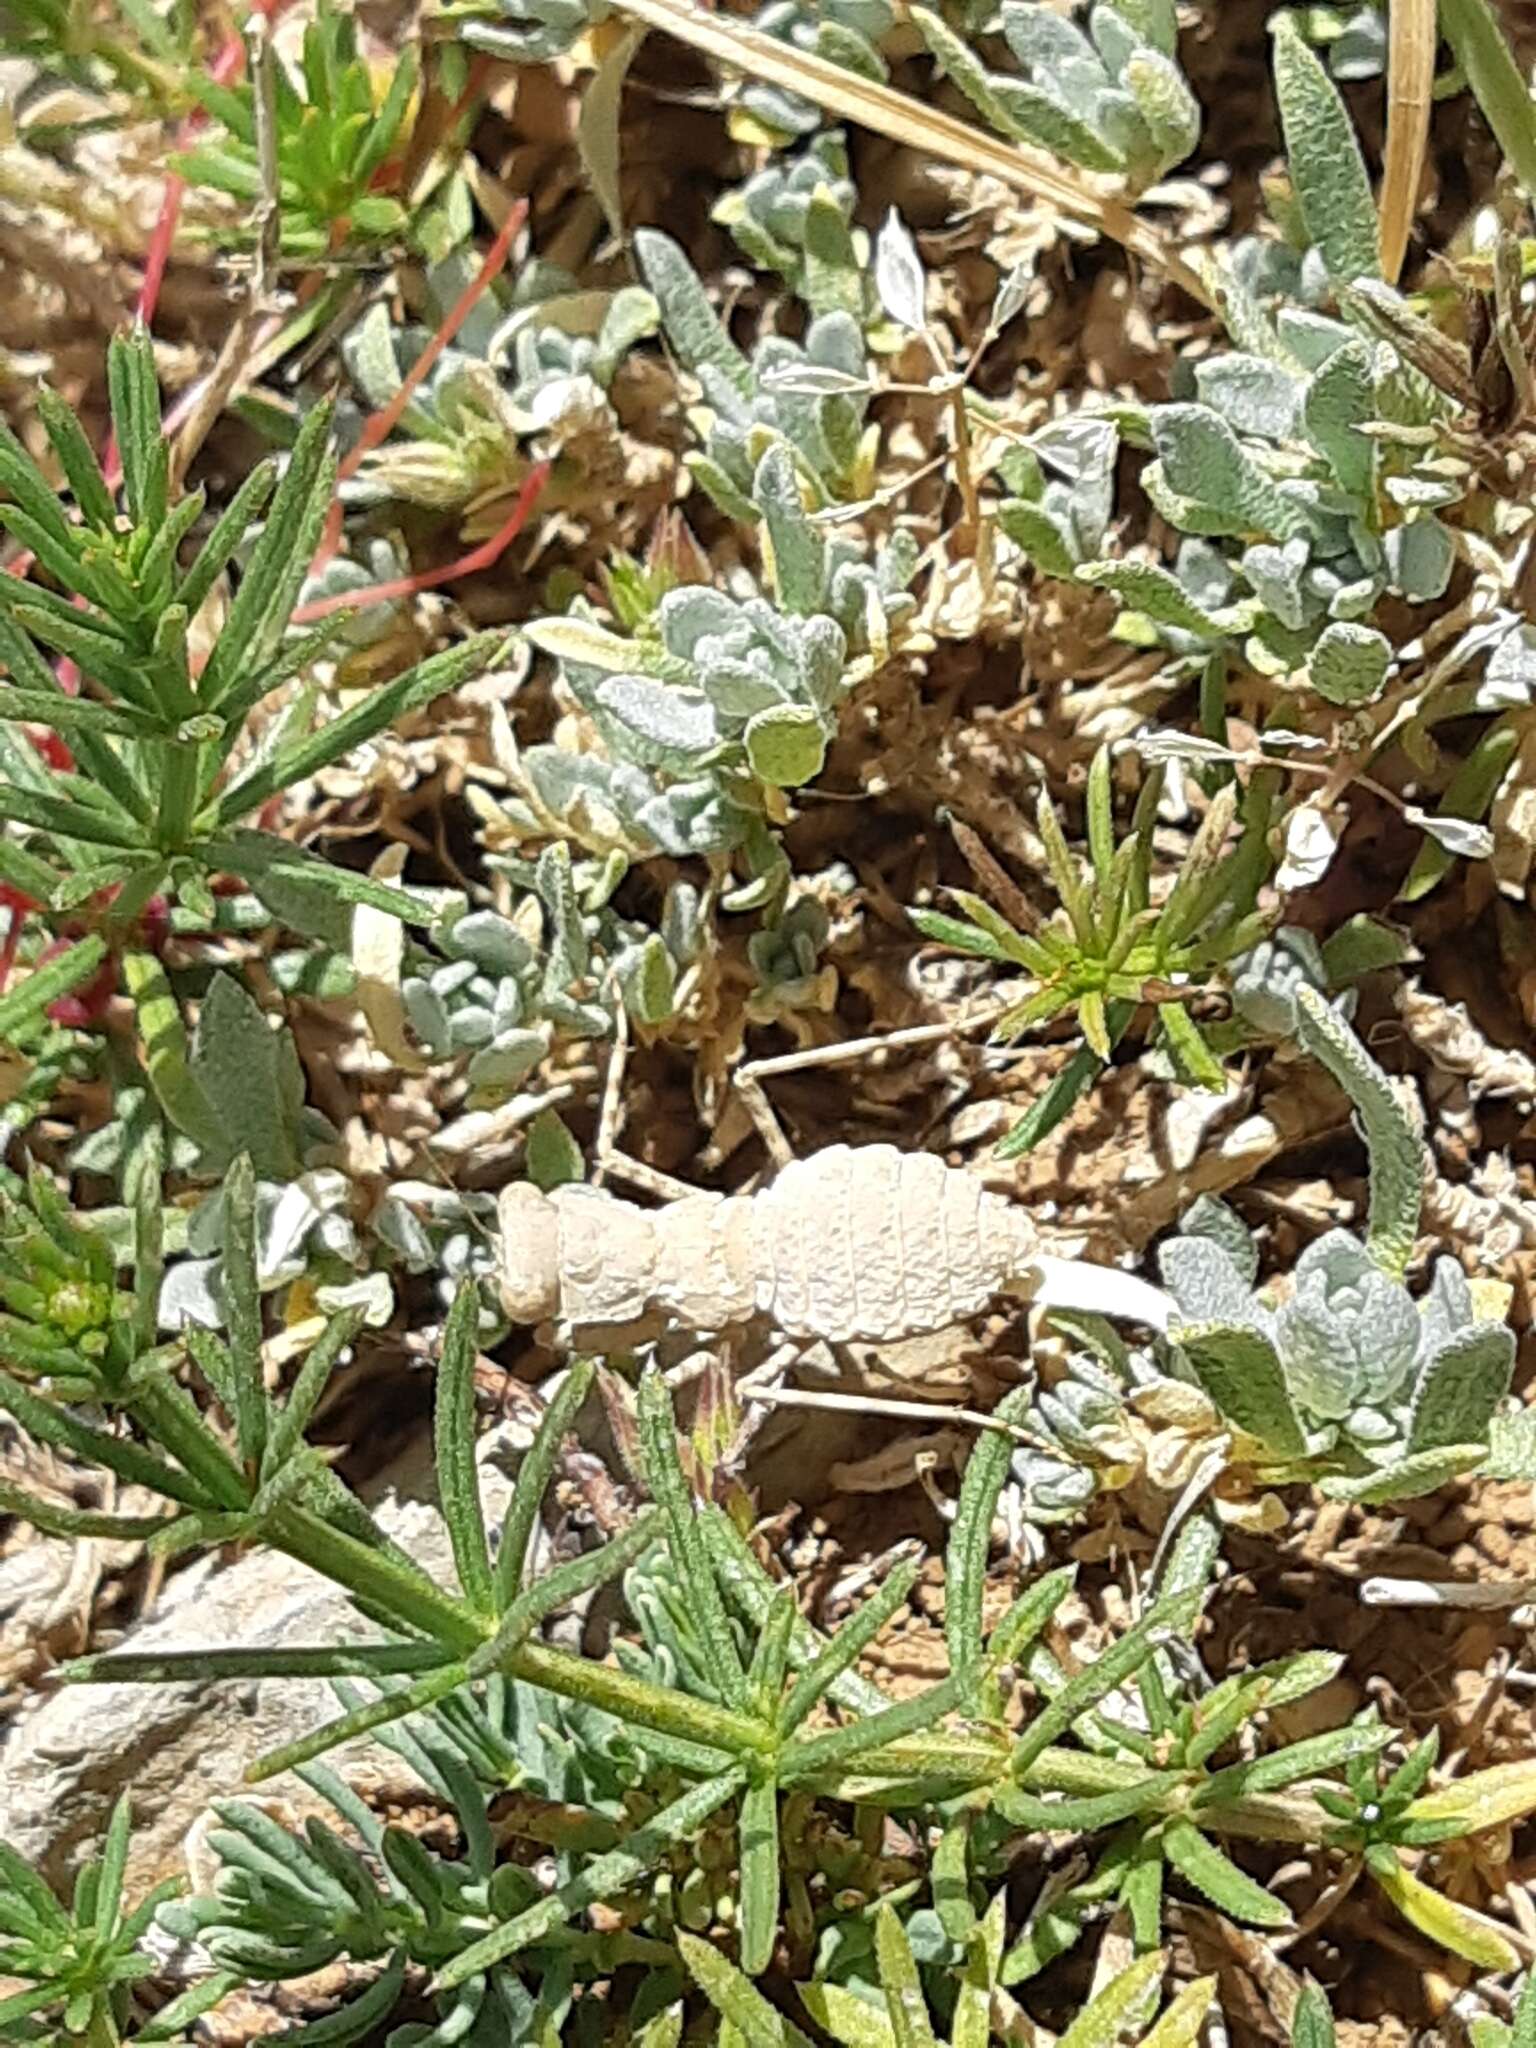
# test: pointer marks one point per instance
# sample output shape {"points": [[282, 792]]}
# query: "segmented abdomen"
{"points": [[876, 1243]]}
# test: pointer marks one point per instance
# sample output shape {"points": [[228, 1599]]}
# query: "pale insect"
{"points": [[864, 1242]]}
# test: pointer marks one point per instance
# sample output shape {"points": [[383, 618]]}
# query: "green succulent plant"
{"points": [[1349, 1378], [1111, 98]]}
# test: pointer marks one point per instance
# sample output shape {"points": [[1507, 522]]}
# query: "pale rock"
{"points": [[176, 1747]]}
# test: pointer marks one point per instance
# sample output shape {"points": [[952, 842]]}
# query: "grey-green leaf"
{"points": [[1326, 166], [1460, 1387], [1241, 1371]]}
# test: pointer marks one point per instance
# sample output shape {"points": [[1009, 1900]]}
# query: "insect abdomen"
{"points": [[876, 1243]]}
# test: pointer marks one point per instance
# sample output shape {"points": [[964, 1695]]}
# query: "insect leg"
{"points": [[609, 1158], [748, 1078]]}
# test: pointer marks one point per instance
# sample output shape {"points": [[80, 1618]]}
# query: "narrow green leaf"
{"points": [[904, 2000], [56, 1426], [597, 125], [453, 1436], [264, 602], [1312, 2021], [670, 1490], [23, 1006], [1104, 2020], [970, 1537], [533, 1476], [1447, 1923], [758, 1834], [602, 1878], [846, 2016], [419, 686], [736, 1998], [1172, 1615], [1471, 27], [1213, 1873], [248, 1380]]}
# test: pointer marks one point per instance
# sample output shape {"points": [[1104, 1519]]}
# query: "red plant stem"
{"points": [[225, 66], [479, 558], [379, 425]]}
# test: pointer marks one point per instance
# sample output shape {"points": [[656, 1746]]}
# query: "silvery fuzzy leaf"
{"points": [[1420, 558], [686, 614], [1210, 1218], [1406, 1478], [1327, 170], [1204, 573], [900, 282], [666, 725], [1311, 841], [1446, 1308], [398, 1226], [821, 651], [1167, 107], [737, 689], [812, 380], [1347, 1310], [1204, 483], [192, 1292], [1276, 575], [1206, 1282], [1349, 664], [1311, 337], [835, 341], [368, 350], [692, 818], [472, 1026], [1322, 1366], [1340, 398], [1241, 1372], [1011, 294], [1355, 600], [491, 942], [1459, 1387], [1113, 37], [1051, 1489], [1370, 1428], [686, 313], [1360, 49], [799, 553], [568, 953], [1510, 678], [1461, 836], [1252, 395], [1148, 588], [1046, 542], [682, 922], [1154, 21], [647, 978], [1045, 41], [1423, 493], [1079, 448], [428, 1016], [1511, 1446], [1265, 980]]}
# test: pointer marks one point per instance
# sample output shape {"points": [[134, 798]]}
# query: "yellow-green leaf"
{"points": [[1455, 1927], [1504, 1792]]}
